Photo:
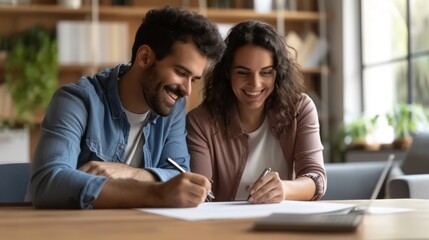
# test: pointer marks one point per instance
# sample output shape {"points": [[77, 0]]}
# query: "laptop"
{"points": [[344, 222]]}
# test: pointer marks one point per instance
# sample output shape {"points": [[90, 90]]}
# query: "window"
{"points": [[395, 54]]}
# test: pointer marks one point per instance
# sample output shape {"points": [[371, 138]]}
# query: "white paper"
{"points": [[243, 209], [387, 210]]}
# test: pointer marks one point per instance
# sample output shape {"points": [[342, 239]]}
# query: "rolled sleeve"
{"points": [[320, 185], [164, 174]]}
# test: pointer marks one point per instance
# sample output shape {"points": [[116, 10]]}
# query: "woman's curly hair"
{"points": [[289, 83]]}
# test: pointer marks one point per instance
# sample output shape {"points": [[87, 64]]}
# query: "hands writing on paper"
{"points": [[117, 170], [267, 189], [271, 189], [185, 190]]}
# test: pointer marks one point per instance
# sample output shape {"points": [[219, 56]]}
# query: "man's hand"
{"points": [[117, 170], [268, 189], [185, 190]]}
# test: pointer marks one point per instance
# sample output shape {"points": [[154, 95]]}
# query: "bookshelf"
{"points": [[47, 13]]}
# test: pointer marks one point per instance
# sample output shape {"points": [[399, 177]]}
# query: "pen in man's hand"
{"points": [[178, 167], [263, 174]]}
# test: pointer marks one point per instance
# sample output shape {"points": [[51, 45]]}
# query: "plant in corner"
{"points": [[31, 70], [357, 134], [405, 120]]}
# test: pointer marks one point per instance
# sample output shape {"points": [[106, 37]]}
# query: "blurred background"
{"points": [[365, 62]]}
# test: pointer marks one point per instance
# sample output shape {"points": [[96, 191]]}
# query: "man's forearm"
{"points": [[118, 170], [147, 176], [185, 190], [127, 193]]}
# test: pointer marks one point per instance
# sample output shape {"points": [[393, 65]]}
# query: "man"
{"points": [[105, 140]]}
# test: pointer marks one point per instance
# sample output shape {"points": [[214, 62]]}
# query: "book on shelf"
{"points": [[293, 40], [311, 49], [317, 51], [84, 42], [7, 111]]}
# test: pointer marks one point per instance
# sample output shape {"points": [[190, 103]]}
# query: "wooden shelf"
{"points": [[43, 9], [82, 67], [315, 70], [47, 13], [36, 119], [238, 15], [218, 15]]}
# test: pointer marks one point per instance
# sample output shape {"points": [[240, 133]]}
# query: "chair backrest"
{"points": [[416, 160], [14, 179], [352, 180]]}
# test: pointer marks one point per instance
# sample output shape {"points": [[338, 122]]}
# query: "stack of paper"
{"points": [[243, 209]]}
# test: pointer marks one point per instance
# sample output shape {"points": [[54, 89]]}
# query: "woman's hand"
{"points": [[268, 189]]}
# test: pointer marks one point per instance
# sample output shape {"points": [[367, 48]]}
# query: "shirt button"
{"points": [[122, 147]]}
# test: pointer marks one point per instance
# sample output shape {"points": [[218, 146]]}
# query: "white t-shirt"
{"points": [[265, 151], [134, 150]]}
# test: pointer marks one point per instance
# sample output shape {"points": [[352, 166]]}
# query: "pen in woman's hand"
{"points": [[263, 174], [210, 195]]}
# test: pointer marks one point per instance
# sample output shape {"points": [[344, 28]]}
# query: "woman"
{"points": [[255, 115]]}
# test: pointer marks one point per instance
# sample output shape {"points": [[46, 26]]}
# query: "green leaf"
{"points": [[31, 70]]}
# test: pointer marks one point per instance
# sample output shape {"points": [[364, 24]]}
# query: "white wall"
{"points": [[14, 145]]}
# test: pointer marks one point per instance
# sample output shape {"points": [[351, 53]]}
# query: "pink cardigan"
{"points": [[221, 156]]}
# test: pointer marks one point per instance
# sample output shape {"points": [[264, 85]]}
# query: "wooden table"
{"points": [[25, 222]]}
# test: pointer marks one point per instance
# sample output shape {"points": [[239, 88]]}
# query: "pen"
{"points": [[263, 174], [178, 167]]}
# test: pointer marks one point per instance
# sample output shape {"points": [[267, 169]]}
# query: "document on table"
{"points": [[243, 209]]}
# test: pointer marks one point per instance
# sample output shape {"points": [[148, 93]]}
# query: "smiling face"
{"points": [[167, 80], [252, 77]]}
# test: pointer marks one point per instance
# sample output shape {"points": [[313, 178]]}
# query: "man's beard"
{"points": [[153, 95]]}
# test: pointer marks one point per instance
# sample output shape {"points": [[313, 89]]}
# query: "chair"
{"points": [[409, 186], [411, 178], [14, 179], [353, 180]]}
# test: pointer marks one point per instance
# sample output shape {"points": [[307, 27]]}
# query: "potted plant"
{"points": [[405, 120], [356, 135], [31, 70]]}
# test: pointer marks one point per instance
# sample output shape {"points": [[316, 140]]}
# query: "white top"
{"points": [[134, 150], [265, 151]]}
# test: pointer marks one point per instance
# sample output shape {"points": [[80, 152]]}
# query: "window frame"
{"points": [[409, 57]]}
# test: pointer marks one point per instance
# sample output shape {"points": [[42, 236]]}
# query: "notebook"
{"points": [[344, 222]]}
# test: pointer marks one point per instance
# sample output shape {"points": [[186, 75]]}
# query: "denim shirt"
{"points": [[85, 121]]}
